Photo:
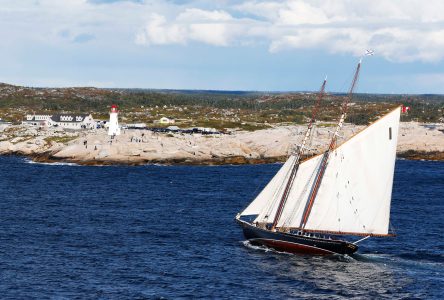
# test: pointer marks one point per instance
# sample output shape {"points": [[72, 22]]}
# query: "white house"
{"points": [[66, 121], [165, 120], [36, 120], [72, 121]]}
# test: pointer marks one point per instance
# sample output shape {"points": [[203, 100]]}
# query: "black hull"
{"points": [[298, 244]]}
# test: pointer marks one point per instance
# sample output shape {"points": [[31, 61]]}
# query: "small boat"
{"points": [[314, 206]]}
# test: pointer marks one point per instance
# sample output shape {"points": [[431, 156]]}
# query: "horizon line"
{"points": [[212, 90]]}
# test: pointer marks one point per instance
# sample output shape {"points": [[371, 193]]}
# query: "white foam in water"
{"points": [[29, 161], [262, 248]]}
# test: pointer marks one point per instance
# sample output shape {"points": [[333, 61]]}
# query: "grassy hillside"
{"points": [[220, 109]]}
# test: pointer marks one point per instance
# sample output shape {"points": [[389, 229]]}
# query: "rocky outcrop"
{"points": [[416, 141]]}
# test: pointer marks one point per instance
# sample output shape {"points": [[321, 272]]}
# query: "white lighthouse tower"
{"points": [[114, 128]]}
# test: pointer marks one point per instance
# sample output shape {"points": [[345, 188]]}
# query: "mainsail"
{"points": [[355, 194]]}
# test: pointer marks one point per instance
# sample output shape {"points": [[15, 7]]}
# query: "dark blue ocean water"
{"points": [[168, 232]]}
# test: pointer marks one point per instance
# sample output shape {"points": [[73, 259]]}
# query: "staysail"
{"points": [[266, 203], [298, 158], [272, 191], [269, 204]]}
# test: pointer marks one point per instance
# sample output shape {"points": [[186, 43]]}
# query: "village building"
{"points": [[173, 128], [36, 120], [135, 125], [72, 121], [165, 120], [65, 121]]}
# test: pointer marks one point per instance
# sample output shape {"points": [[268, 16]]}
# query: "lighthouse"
{"points": [[113, 129]]}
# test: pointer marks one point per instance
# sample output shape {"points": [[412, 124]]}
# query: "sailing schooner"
{"points": [[311, 206]]}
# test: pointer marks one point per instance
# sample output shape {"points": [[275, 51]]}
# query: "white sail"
{"points": [[355, 193], [272, 191], [300, 191], [266, 203]]}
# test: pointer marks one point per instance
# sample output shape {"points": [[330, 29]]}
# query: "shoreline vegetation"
{"points": [[257, 127]]}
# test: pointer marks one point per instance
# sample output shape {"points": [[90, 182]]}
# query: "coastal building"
{"points": [[113, 128], [173, 128], [66, 121], [135, 126], [72, 121], [208, 130], [36, 120], [165, 120]]}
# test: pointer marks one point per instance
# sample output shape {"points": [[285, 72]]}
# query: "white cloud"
{"points": [[398, 30], [192, 14], [159, 32], [216, 28], [300, 12], [213, 34]]}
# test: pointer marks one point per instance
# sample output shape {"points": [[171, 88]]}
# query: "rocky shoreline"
{"points": [[234, 160], [421, 155], [138, 147]]}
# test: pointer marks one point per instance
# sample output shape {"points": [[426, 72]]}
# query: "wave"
{"points": [[262, 248], [29, 161], [422, 256], [59, 163], [412, 260]]}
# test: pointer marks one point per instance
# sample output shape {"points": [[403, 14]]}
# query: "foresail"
{"points": [[299, 192], [355, 193], [272, 191]]}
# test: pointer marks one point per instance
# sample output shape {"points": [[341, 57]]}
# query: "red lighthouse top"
{"points": [[114, 108]]}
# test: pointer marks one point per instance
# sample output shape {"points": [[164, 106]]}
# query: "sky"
{"points": [[287, 45]]}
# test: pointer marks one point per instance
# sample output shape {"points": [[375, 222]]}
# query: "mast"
{"points": [[332, 146], [299, 154]]}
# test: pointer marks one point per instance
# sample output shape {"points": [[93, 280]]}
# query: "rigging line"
{"points": [[298, 157], [290, 218], [275, 197], [363, 239], [331, 147], [303, 192]]}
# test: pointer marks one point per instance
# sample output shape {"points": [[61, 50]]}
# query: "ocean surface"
{"points": [[167, 232]]}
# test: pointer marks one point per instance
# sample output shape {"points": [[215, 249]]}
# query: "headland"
{"points": [[143, 146], [198, 127]]}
